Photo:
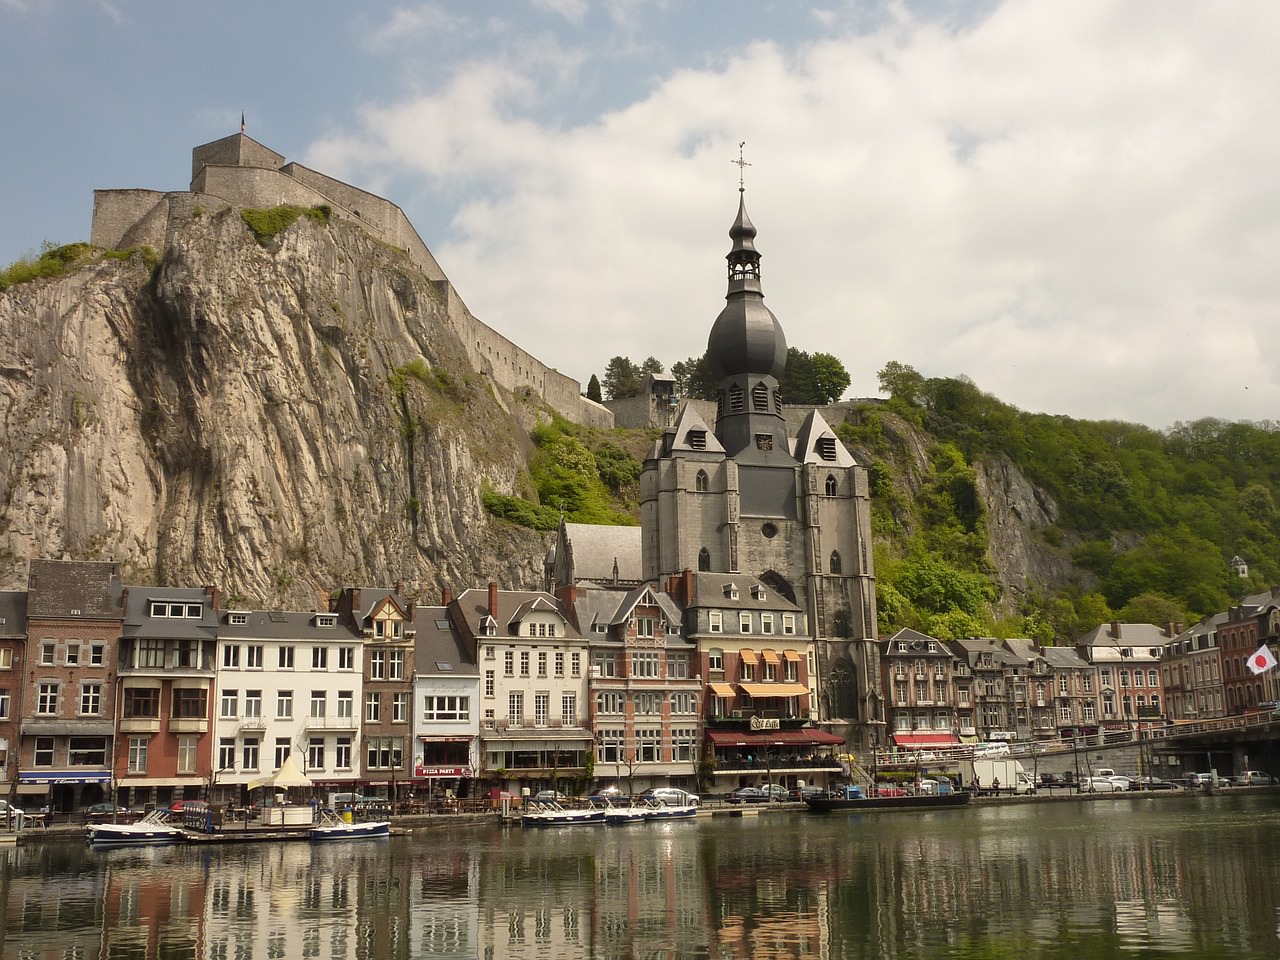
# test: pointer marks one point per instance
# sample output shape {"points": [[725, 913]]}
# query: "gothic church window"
{"points": [[836, 566], [704, 560], [832, 486], [700, 482]]}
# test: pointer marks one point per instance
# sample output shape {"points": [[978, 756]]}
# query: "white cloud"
{"points": [[1073, 203]]}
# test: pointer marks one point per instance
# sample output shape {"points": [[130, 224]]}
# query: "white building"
{"points": [[446, 695]]}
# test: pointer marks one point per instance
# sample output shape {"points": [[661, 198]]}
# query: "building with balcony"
{"points": [[917, 673]]}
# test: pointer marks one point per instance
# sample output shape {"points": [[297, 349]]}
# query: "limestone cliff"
{"points": [[274, 421]]}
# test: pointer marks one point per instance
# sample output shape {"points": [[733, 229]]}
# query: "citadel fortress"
{"points": [[239, 172]]}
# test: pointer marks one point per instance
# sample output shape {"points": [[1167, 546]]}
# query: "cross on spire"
{"points": [[741, 165]]}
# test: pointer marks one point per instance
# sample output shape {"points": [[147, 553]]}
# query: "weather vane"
{"points": [[741, 164]]}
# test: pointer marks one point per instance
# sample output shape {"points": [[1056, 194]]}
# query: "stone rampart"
{"points": [[116, 213]]}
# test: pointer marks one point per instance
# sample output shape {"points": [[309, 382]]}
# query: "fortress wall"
{"points": [[255, 187], [117, 212], [236, 150]]}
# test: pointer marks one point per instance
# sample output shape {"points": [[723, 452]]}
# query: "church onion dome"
{"points": [[746, 338]]}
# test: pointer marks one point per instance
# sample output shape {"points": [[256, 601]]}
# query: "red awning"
{"points": [[773, 738], [917, 740]]}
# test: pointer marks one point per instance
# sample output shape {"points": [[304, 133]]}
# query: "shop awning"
{"points": [[426, 739], [721, 689], [160, 782], [803, 737], [762, 690], [917, 740], [769, 656], [65, 776], [748, 656]]}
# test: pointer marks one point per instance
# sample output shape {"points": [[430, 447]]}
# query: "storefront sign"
{"points": [[766, 723]]}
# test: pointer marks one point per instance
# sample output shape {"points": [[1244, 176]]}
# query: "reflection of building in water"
{"points": [[442, 897], [152, 904], [30, 911]]}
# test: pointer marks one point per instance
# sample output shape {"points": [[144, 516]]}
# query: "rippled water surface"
{"points": [[1149, 877]]}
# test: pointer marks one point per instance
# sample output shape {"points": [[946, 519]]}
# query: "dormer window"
{"points": [[326, 620], [731, 591], [757, 592], [827, 447]]}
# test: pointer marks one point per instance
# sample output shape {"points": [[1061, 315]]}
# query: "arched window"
{"points": [[700, 482], [704, 560], [835, 562], [760, 397], [832, 486]]}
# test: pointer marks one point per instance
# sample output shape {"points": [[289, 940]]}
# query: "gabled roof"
{"points": [[287, 625], [917, 644], [471, 607], [1064, 658], [816, 438], [597, 551], [676, 438], [712, 590], [971, 648]]}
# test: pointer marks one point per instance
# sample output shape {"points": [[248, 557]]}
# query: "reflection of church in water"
{"points": [[790, 510]]}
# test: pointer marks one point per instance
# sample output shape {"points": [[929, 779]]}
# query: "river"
{"points": [[1124, 877]]}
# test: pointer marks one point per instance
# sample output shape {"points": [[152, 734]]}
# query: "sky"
{"points": [[1073, 203]]}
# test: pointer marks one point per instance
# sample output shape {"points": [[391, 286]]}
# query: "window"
{"points": [[789, 623], [151, 653], [790, 670], [372, 707], [766, 623], [346, 703], [190, 703], [541, 708], [832, 486], [326, 620], [6, 658], [559, 663], [744, 622], [141, 704], [1153, 679], [237, 619], [253, 703], [230, 656], [508, 663], [677, 666], [606, 664], [90, 699], [835, 564], [284, 658], [700, 482], [488, 684], [715, 660], [1124, 678], [746, 670], [575, 664], [6, 703], [515, 707], [644, 664], [284, 747], [569, 709], [608, 702], [318, 703], [319, 658], [315, 753], [384, 753], [704, 560], [649, 745], [346, 658], [446, 709], [253, 656], [47, 699], [188, 654], [400, 708], [137, 754], [73, 654], [611, 746], [524, 663], [48, 650], [44, 752], [684, 742], [230, 707], [645, 627], [284, 705], [187, 755], [227, 753], [647, 704], [395, 666], [684, 703], [342, 754], [97, 654], [715, 621], [87, 751], [377, 664], [542, 663]]}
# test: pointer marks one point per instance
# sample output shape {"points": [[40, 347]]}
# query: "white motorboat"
{"points": [[333, 827], [155, 828], [553, 815]]}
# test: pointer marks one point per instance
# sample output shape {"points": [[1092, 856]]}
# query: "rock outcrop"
{"points": [[276, 421]]}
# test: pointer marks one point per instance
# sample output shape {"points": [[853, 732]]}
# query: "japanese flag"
{"points": [[1262, 660]]}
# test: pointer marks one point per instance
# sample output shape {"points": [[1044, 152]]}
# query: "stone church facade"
{"points": [[746, 497]]}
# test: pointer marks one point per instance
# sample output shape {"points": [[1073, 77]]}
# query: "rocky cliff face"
{"points": [[273, 421]]}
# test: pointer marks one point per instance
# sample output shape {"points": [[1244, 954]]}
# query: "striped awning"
{"points": [[748, 656], [770, 656], [761, 690], [792, 655]]}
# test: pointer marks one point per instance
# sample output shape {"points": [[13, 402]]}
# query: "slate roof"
{"points": [[91, 588], [1064, 658], [709, 591], [13, 614], [594, 549], [286, 625], [473, 606], [805, 445], [439, 643], [138, 621]]}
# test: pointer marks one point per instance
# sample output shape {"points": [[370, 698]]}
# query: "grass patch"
{"points": [[266, 223], [53, 261]]}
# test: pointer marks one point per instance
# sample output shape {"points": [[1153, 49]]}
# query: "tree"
{"points": [[651, 365], [820, 378], [693, 378], [621, 379], [593, 389], [901, 381]]}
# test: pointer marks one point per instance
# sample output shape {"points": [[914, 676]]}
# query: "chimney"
{"points": [[493, 598], [322, 598], [1115, 629], [446, 596], [214, 595]]}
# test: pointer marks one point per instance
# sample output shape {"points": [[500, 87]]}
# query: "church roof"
{"points": [[596, 549], [689, 434], [816, 442]]}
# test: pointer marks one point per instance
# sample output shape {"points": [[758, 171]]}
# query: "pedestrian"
{"points": [[995, 786], [977, 785]]}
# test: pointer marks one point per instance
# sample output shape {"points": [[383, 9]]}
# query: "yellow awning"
{"points": [[770, 656], [721, 689], [748, 656], [774, 689], [792, 655]]}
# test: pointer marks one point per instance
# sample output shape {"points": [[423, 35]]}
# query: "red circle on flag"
{"points": [[1259, 661]]}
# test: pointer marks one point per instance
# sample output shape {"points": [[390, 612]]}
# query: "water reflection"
{"points": [[1164, 877]]}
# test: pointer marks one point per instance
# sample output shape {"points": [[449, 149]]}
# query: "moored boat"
{"points": [[155, 828], [333, 827], [857, 801], [658, 810], [554, 815]]}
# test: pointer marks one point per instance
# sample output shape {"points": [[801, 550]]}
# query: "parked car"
{"points": [[672, 795], [799, 793], [1099, 785], [105, 810], [1151, 783], [1122, 782], [1054, 780], [550, 796], [610, 793], [770, 791], [1255, 778], [1201, 781]]}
